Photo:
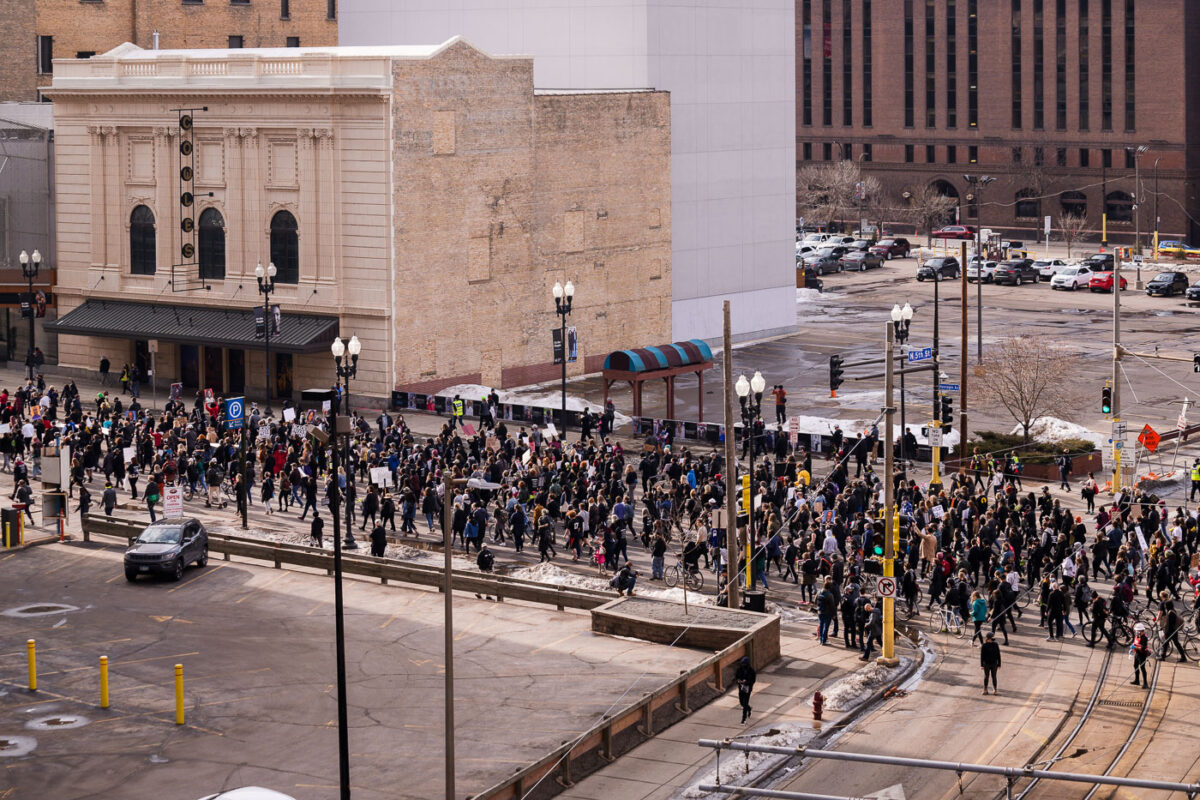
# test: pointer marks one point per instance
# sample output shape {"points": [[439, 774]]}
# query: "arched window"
{"points": [[1119, 207], [142, 259], [1029, 206], [285, 247], [212, 245], [1074, 203]]}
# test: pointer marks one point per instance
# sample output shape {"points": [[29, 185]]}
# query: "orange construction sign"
{"points": [[1149, 439]]}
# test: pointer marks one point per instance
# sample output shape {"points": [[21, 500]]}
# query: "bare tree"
{"points": [[1030, 379], [825, 191], [1072, 226], [927, 208]]}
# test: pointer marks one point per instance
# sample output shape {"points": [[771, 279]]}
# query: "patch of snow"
{"points": [[1050, 429], [398, 551], [532, 397], [742, 768], [549, 573], [851, 690], [806, 296]]}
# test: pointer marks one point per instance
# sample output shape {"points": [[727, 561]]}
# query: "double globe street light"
{"points": [[29, 269], [751, 407], [266, 285], [901, 319], [563, 298]]}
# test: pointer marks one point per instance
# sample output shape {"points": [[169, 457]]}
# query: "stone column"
{"points": [[114, 224], [98, 222]]}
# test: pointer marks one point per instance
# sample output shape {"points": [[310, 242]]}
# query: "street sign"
{"points": [[1118, 430], [935, 437], [235, 412], [885, 587], [793, 425], [1149, 438], [1119, 444], [947, 387], [1047, 226], [920, 354], [173, 502], [1182, 423]]}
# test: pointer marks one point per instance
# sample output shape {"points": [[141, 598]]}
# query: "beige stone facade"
{"points": [[437, 196]]}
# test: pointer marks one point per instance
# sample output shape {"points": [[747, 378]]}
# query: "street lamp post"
{"points": [[564, 296], [346, 371], [979, 183], [29, 268], [901, 318], [751, 406], [1156, 220], [338, 612], [266, 285], [1138, 152]]}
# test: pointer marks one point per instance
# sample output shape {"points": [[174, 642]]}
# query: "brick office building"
{"points": [[424, 198], [39, 31], [1051, 97]]}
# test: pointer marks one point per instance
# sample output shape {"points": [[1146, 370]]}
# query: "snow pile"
{"points": [[1052, 429], [806, 296], [790, 613], [532, 397], [397, 551], [851, 690], [743, 768], [549, 573]]}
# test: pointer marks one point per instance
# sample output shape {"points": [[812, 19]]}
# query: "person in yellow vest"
{"points": [[1195, 479], [457, 408]]}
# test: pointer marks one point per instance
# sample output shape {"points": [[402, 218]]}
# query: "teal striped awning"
{"points": [[647, 359]]}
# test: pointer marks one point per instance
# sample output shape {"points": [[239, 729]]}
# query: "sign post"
{"points": [[173, 502]]}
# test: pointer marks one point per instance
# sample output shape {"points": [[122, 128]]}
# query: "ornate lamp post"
{"points": [[750, 394], [266, 285], [563, 298], [29, 268]]}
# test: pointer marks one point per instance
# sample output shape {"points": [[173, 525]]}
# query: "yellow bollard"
{"points": [[179, 694], [31, 646], [104, 681]]}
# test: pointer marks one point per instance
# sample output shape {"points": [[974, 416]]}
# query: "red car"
{"points": [[954, 232], [1103, 282]]}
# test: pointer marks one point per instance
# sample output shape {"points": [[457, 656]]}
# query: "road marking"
{"points": [[467, 628], [188, 583], [552, 644], [120, 663], [22, 652], [318, 605], [261, 586], [390, 620]]}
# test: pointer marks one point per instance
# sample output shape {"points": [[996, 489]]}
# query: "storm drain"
{"points": [[1122, 703], [38, 610]]}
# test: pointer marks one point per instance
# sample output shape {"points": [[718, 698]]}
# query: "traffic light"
{"points": [[947, 410], [877, 540], [836, 371], [1106, 400]]}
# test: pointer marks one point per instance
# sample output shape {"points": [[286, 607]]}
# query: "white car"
{"points": [[803, 250], [1072, 277], [813, 239], [988, 267], [1049, 267]]}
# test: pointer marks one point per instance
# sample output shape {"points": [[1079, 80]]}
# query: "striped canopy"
{"points": [[647, 359]]}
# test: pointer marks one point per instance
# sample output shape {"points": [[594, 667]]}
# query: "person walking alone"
{"points": [[979, 612], [745, 676], [989, 662]]}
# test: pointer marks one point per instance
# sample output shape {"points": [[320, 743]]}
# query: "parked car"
{"points": [[1103, 282], [826, 260], [813, 239], [1016, 271], [166, 547], [861, 260], [1099, 262], [1192, 295], [1072, 278], [1049, 267], [938, 268], [804, 250], [811, 281], [954, 232], [895, 247], [974, 268], [1165, 284]]}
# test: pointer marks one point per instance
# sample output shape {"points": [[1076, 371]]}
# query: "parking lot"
{"points": [[257, 648]]}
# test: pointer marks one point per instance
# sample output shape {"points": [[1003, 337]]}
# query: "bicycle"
{"points": [[947, 620], [693, 578]]}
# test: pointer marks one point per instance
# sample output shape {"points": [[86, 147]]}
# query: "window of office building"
{"points": [[866, 153], [1085, 157], [847, 62], [866, 62], [826, 63], [1028, 206], [973, 63], [285, 9], [1130, 62], [1039, 156], [1015, 44], [1074, 203], [1061, 157], [909, 156], [293, 41], [930, 66], [807, 151], [235, 42], [847, 152], [1106, 54], [212, 245], [45, 55], [806, 59], [1130, 159], [951, 64], [331, 9], [1106, 158], [827, 151], [909, 66], [1084, 85], [142, 257], [973, 154], [285, 247], [1119, 206], [1017, 155], [930, 154], [951, 154], [1060, 65], [1039, 66]]}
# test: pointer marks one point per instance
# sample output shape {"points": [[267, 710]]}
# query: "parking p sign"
{"points": [[235, 412]]}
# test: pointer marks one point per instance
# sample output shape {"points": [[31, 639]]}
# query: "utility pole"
{"points": [[962, 360], [448, 485], [935, 427], [1116, 385], [889, 544], [732, 544]]}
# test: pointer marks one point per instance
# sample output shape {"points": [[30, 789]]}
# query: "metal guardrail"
{"points": [[385, 570]]}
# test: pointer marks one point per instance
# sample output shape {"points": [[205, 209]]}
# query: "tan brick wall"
{"points": [[523, 192], [18, 51]]}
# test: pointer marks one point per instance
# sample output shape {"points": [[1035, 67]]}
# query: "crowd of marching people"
{"points": [[979, 547]]}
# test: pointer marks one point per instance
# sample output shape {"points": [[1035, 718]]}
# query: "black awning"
{"points": [[221, 327]]}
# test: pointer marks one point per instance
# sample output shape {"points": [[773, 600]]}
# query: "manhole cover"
{"points": [[56, 722], [14, 746], [38, 610]]}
